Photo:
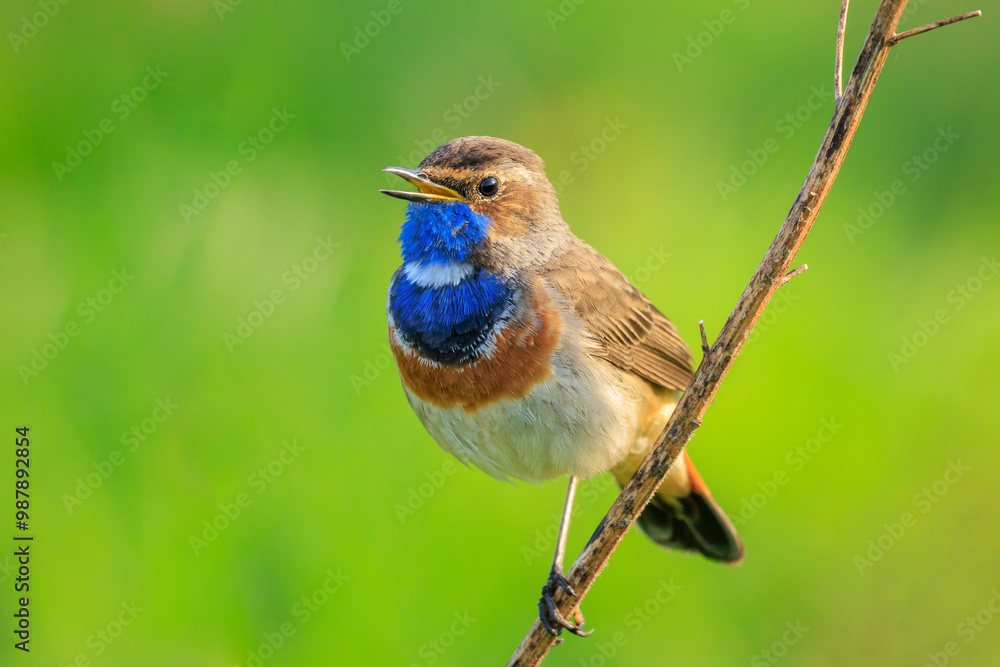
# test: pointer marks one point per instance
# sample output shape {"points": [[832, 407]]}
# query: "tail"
{"points": [[683, 514]]}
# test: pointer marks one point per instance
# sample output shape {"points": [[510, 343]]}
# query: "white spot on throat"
{"points": [[437, 274]]}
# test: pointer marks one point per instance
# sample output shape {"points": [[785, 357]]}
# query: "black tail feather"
{"points": [[692, 523]]}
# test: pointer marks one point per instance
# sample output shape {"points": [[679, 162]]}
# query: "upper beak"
{"points": [[429, 190]]}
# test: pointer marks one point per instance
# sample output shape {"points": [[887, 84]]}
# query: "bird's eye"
{"points": [[489, 186]]}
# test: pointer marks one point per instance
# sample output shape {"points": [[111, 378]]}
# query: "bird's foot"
{"points": [[548, 612]]}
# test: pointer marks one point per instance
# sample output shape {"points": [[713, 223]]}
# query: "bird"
{"points": [[526, 353]]}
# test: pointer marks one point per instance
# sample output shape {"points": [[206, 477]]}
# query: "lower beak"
{"points": [[429, 190]]}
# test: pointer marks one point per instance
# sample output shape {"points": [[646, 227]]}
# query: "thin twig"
{"points": [[791, 274], [713, 369], [838, 71], [706, 350], [896, 39]]}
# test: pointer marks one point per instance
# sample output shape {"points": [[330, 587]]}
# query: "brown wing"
{"points": [[631, 332]]}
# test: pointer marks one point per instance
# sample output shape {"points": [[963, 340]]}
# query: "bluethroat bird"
{"points": [[524, 352]]}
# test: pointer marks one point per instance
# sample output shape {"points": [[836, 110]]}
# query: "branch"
{"points": [[791, 274], [930, 26], [838, 58], [706, 349], [770, 275]]}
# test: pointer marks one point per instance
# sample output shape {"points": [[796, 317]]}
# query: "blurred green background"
{"points": [[358, 541]]}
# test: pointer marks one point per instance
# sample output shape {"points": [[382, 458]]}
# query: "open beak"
{"points": [[429, 190]]}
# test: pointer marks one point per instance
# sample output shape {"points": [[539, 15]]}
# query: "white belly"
{"points": [[580, 421]]}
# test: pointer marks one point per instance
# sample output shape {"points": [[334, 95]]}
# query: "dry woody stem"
{"points": [[769, 276], [838, 66]]}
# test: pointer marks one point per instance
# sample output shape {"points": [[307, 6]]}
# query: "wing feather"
{"points": [[628, 329]]}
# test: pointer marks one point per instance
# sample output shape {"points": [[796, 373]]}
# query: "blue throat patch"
{"points": [[450, 323], [442, 232]]}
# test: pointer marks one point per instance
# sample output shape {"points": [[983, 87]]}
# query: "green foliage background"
{"points": [[316, 369]]}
